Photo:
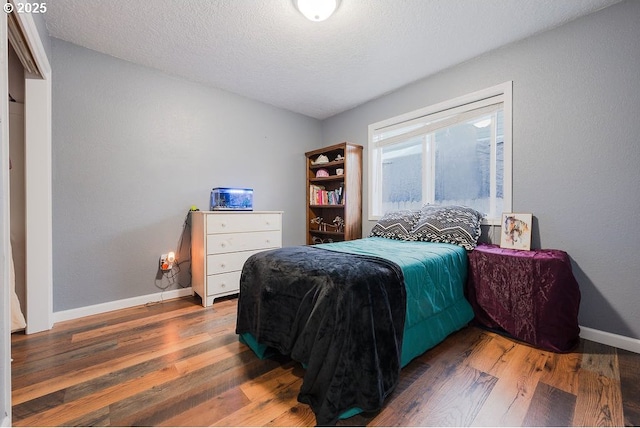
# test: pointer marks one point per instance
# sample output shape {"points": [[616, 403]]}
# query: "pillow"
{"points": [[396, 225], [451, 224]]}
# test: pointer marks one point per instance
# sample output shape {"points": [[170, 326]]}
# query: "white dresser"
{"points": [[221, 241]]}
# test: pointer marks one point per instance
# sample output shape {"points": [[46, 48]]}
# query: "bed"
{"points": [[353, 313]]}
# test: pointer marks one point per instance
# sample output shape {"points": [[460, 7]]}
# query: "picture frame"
{"points": [[515, 231]]}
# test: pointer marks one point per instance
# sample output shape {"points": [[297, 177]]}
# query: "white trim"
{"points": [[373, 175], [101, 308], [503, 88], [35, 43], [38, 190], [5, 233], [38, 206], [611, 339], [507, 185]]}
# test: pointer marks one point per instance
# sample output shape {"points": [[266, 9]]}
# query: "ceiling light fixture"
{"points": [[316, 10]]}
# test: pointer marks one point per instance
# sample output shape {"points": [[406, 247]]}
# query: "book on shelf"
{"points": [[318, 195]]}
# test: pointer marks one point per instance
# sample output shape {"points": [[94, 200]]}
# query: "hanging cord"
{"points": [[184, 255], [167, 279]]}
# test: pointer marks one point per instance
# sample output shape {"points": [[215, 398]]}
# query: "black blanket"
{"points": [[340, 315]]}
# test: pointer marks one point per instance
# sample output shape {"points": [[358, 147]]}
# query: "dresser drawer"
{"points": [[243, 222], [228, 262], [223, 283], [233, 242]]}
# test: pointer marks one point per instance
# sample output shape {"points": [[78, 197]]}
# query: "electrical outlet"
{"points": [[166, 261]]}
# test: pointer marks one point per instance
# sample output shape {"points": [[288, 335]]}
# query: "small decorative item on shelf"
{"points": [[320, 160], [318, 221], [329, 227], [322, 173], [339, 157], [339, 223], [337, 226], [318, 240], [339, 171]]}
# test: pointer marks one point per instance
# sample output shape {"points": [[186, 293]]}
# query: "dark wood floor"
{"points": [[179, 364]]}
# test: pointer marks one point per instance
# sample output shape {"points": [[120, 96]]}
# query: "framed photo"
{"points": [[516, 231]]}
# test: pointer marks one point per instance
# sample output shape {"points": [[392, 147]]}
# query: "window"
{"points": [[456, 152]]}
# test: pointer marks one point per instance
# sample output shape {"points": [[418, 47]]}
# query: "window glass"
{"points": [[402, 172], [463, 164]]}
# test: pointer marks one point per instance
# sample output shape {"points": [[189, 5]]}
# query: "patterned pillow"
{"points": [[451, 224], [396, 225]]}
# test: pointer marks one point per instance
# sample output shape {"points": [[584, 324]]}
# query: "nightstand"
{"points": [[530, 295]]}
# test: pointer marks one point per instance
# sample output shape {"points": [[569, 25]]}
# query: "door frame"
{"points": [[38, 184], [5, 232], [38, 201]]}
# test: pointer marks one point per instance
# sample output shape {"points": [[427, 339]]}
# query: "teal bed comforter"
{"points": [[434, 275]]}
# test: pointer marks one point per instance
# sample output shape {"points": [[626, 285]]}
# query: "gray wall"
{"points": [[134, 148], [576, 153], [41, 25]]}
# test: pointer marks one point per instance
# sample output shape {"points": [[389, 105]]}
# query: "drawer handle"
{"points": [[223, 224], [222, 265], [222, 285], [267, 241], [223, 244]]}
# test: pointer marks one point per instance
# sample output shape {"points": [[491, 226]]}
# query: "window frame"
{"points": [[501, 93]]}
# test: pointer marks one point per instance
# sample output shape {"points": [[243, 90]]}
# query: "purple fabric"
{"points": [[531, 295]]}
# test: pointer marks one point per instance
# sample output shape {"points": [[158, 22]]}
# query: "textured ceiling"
{"points": [[266, 50]]}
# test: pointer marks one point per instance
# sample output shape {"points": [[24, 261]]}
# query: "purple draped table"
{"points": [[531, 295]]}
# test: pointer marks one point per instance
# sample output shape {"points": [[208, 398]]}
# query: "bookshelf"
{"points": [[334, 192]]}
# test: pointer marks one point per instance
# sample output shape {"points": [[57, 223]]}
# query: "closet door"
{"points": [[17, 201]]}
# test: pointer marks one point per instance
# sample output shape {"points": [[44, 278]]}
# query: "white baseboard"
{"points": [[622, 342], [85, 311]]}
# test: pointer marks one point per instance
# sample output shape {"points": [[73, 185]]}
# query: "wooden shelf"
{"points": [[329, 178], [350, 182], [327, 165], [326, 232]]}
